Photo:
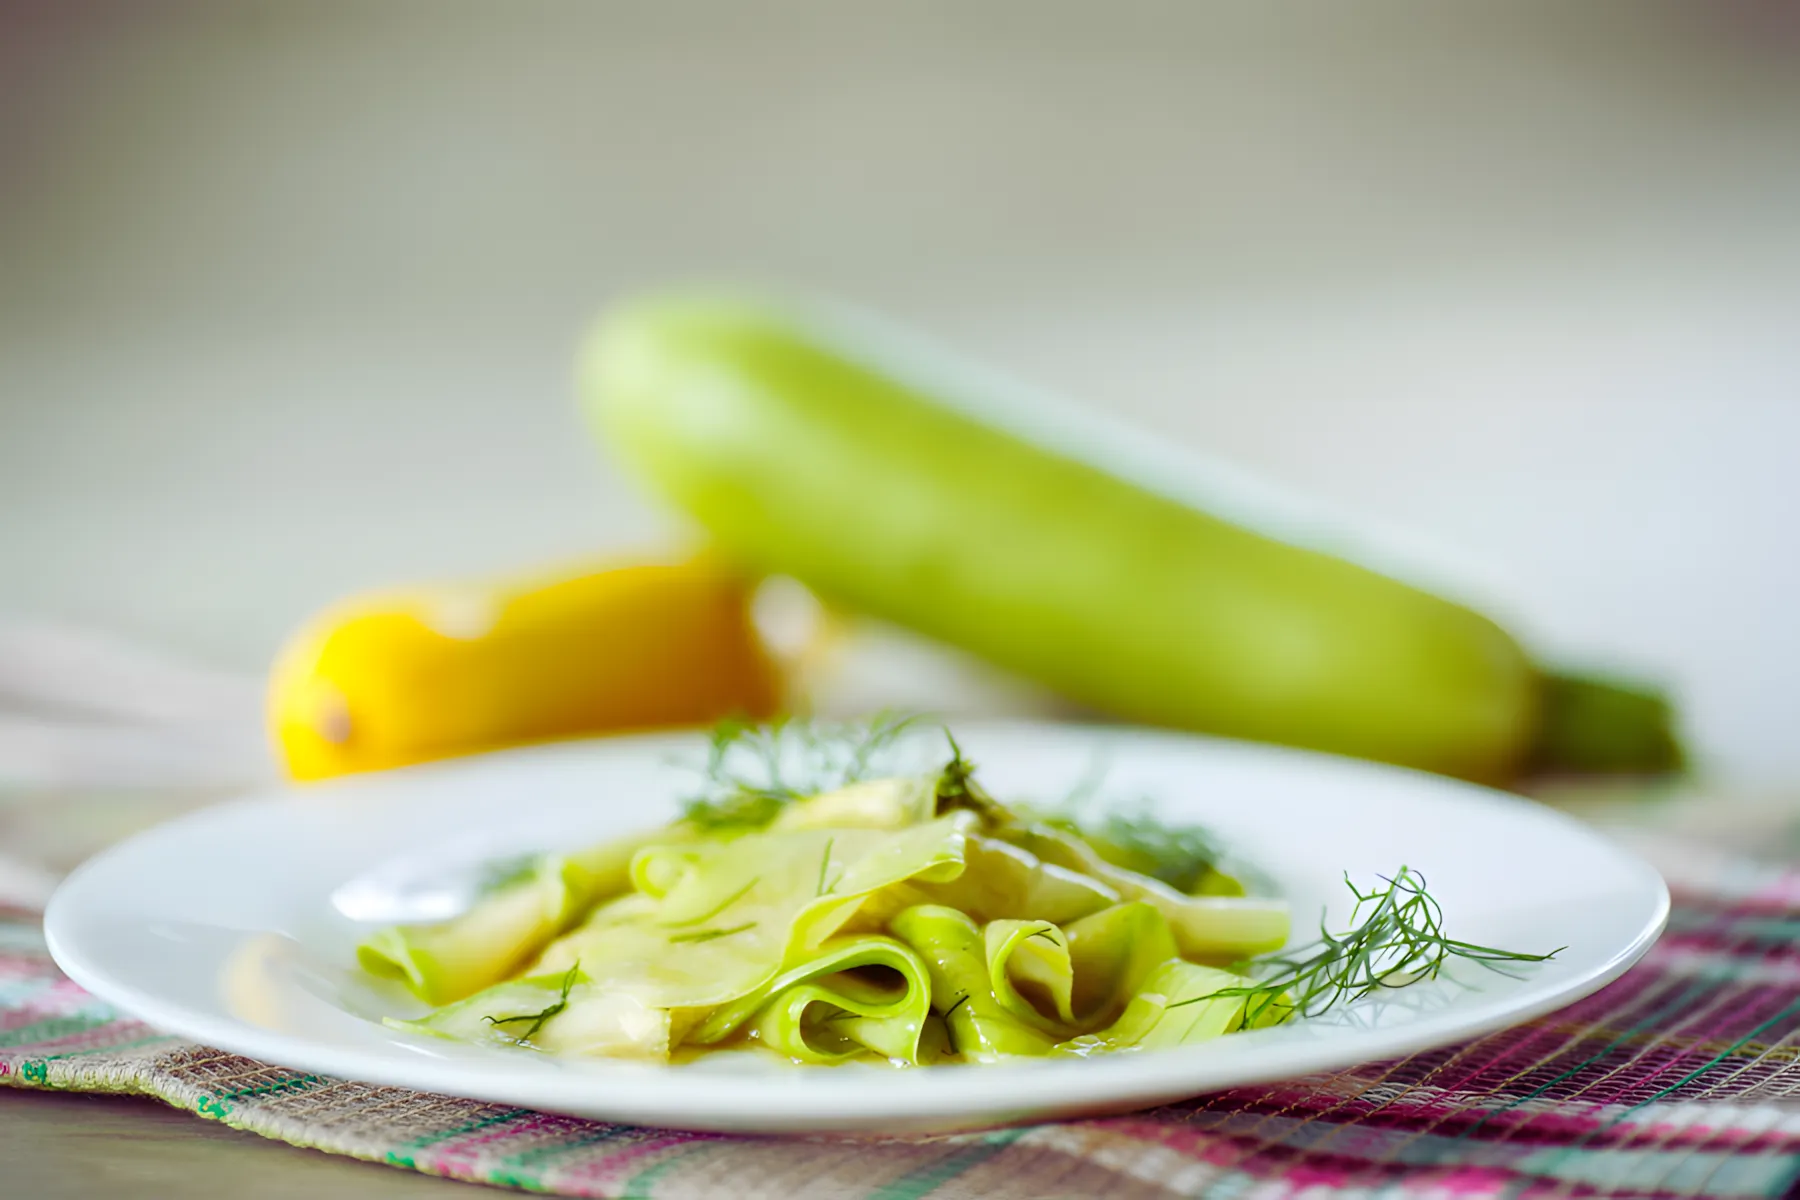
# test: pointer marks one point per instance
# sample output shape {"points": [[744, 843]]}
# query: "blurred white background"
{"points": [[288, 295]]}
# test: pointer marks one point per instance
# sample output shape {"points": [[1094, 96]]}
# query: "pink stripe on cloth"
{"points": [[620, 1165], [448, 1157]]}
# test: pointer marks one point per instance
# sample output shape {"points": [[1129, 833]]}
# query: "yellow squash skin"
{"points": [[401, 677], [801, 453]]}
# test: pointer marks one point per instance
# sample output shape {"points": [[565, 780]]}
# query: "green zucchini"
{"points": [[898, 484]]}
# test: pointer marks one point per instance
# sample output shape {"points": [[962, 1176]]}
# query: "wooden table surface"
{"points": [[55, 1145]]}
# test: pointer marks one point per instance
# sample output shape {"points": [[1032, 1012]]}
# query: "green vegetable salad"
{"points": [[827, 913]]}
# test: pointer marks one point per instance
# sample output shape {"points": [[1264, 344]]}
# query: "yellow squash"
{"points": [[399, 677]]}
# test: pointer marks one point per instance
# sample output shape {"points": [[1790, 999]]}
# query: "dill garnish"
{"points": [[825, 865], [1179, 855], [707, 935], [1399, 941], [716, 909], [960, 1001], [507, 872], [752, 772], [956, 786], [537, 1019], [1046, 934], [1186, 857]]}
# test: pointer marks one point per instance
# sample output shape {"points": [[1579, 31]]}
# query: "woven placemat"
{"points": [[1679, 1080]]}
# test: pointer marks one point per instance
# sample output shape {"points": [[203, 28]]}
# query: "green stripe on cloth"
{"points": [[642, 1186], [1786, 1014], [1664, 1172], [1643, 1025], [404, 1155], [550, 1150], [922, 1181], [53, 1029], [293, 1083], [1579, 1164]]}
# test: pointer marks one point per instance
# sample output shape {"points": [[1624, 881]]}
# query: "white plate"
{"points": [[230, 927]]}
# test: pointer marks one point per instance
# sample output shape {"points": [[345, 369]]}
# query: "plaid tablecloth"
{"points": [[1679, 1080]]}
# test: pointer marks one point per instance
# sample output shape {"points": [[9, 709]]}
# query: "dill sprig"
{"points": [[956, 786], [1184, 856], [504, 873], [1396, 939], [537, 1019], [753, 771], [1180, 855]]}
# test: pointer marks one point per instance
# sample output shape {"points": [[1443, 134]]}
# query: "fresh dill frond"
{"points": [[503, 873], [882, 731], [1396, 938], [537, 1019], [1182, 856], [825, 865], [956, 786], [752, 772], [708, 935], [960, 1001], [1185, 856]]}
